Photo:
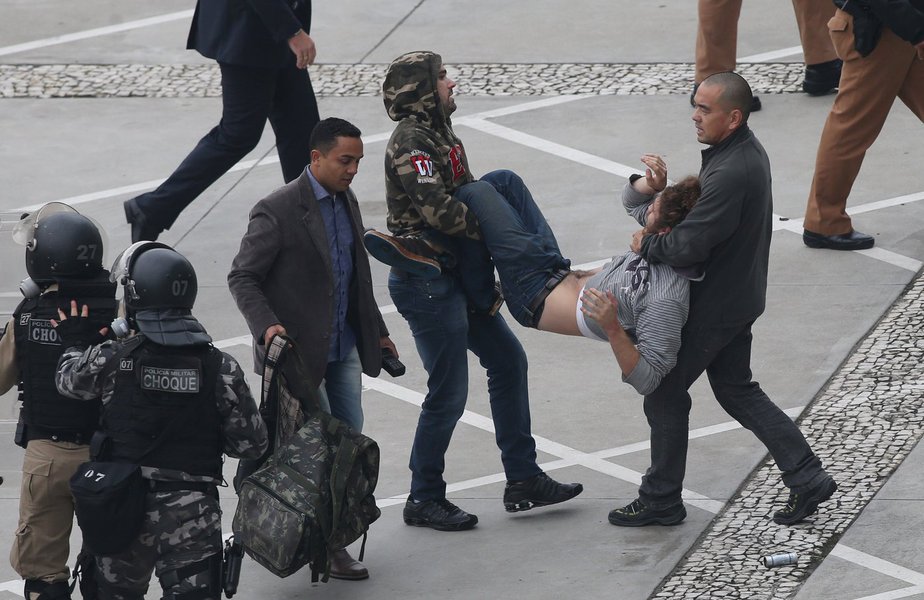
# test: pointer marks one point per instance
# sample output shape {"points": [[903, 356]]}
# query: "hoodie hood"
{"points": [[409, 89]]}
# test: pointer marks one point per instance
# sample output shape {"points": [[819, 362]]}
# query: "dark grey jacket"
{"points": [[282, 274], [729, 230]]}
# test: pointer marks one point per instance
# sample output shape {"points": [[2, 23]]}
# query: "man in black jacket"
{"points": [[263, 49], [728, 233], [882, 45]]}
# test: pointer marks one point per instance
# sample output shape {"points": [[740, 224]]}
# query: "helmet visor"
{"points": [[120, 273], [24, 230]]}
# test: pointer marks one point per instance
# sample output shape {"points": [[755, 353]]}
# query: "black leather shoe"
{"points": [[344, 566], [142, 229], [539, 490], [822, 78], [439, 514], [410, 254], [802, 505], [845, 241], [639, 514]]}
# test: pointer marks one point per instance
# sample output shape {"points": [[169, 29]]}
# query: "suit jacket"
{"points": [[253, 33], [282, 274]]}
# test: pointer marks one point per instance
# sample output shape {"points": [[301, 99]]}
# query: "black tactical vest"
{"points": [[157, 387], [46, 413]]}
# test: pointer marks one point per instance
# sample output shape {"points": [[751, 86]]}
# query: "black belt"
{"points": [[75, 437], [538, 304], [183, 486]]}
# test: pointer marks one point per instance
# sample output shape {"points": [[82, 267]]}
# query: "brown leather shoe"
{"points": [[344, 566]]}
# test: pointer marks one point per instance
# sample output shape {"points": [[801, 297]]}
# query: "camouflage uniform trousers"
{"points": [[180, 528]]}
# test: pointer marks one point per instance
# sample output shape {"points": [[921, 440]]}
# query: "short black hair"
{"points": [[736, 93], [325, 133]]}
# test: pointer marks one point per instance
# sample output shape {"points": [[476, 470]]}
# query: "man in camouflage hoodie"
{"points": [[167, 381], [425, 164]]}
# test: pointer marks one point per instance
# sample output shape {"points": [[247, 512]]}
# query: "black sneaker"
{"points": [[439, 514], [639, 514], [410, 254], [802, 505], [822, 78], [539, 490]]}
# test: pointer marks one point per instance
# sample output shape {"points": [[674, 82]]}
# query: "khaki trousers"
{"points": [[46, 510], [868, 88], [717, 34]]}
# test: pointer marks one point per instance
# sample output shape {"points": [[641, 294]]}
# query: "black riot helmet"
{"points": [[155, 276], [60, 244]]}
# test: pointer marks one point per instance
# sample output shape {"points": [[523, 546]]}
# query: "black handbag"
{"points": [[109, 500]]}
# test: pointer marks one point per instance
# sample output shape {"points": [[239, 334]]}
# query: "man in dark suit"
{"points": [[301, 271], [263, 49]]}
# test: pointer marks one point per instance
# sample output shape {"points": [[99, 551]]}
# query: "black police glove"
{"points": [[78, 332]]}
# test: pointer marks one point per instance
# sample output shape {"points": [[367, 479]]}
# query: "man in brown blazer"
{"points": [[302, 271]]}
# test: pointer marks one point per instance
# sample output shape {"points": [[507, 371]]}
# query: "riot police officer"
{"points": [[163, 380], [64, 253]]}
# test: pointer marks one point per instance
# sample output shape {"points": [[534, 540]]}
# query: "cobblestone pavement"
{"points": [[862, 426], [196, 81]]}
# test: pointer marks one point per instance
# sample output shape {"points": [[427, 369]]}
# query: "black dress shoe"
{"points": [[344, 566], [142, 228], [845, 241], [822, 78]]}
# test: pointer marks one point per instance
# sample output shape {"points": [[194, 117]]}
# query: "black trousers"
{"points": [[724, 353], [250, 96]]}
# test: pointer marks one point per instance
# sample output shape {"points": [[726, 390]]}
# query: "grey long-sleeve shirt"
{"points": [[653, 302]]}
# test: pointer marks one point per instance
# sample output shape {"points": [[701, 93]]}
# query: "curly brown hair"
{"points": [[676, 202]]}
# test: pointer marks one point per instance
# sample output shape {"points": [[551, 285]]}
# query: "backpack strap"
{"points": [[284, 394], [345, 456]]}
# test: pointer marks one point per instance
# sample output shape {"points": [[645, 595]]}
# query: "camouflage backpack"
{"points": [[315, 492]]}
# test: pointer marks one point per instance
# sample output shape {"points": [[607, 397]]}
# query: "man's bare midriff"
{"points": [[559, 316]]}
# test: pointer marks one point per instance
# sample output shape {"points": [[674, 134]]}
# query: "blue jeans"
{"points": [[340, 392], [518, 238], [724, 353], [437, 313]]}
